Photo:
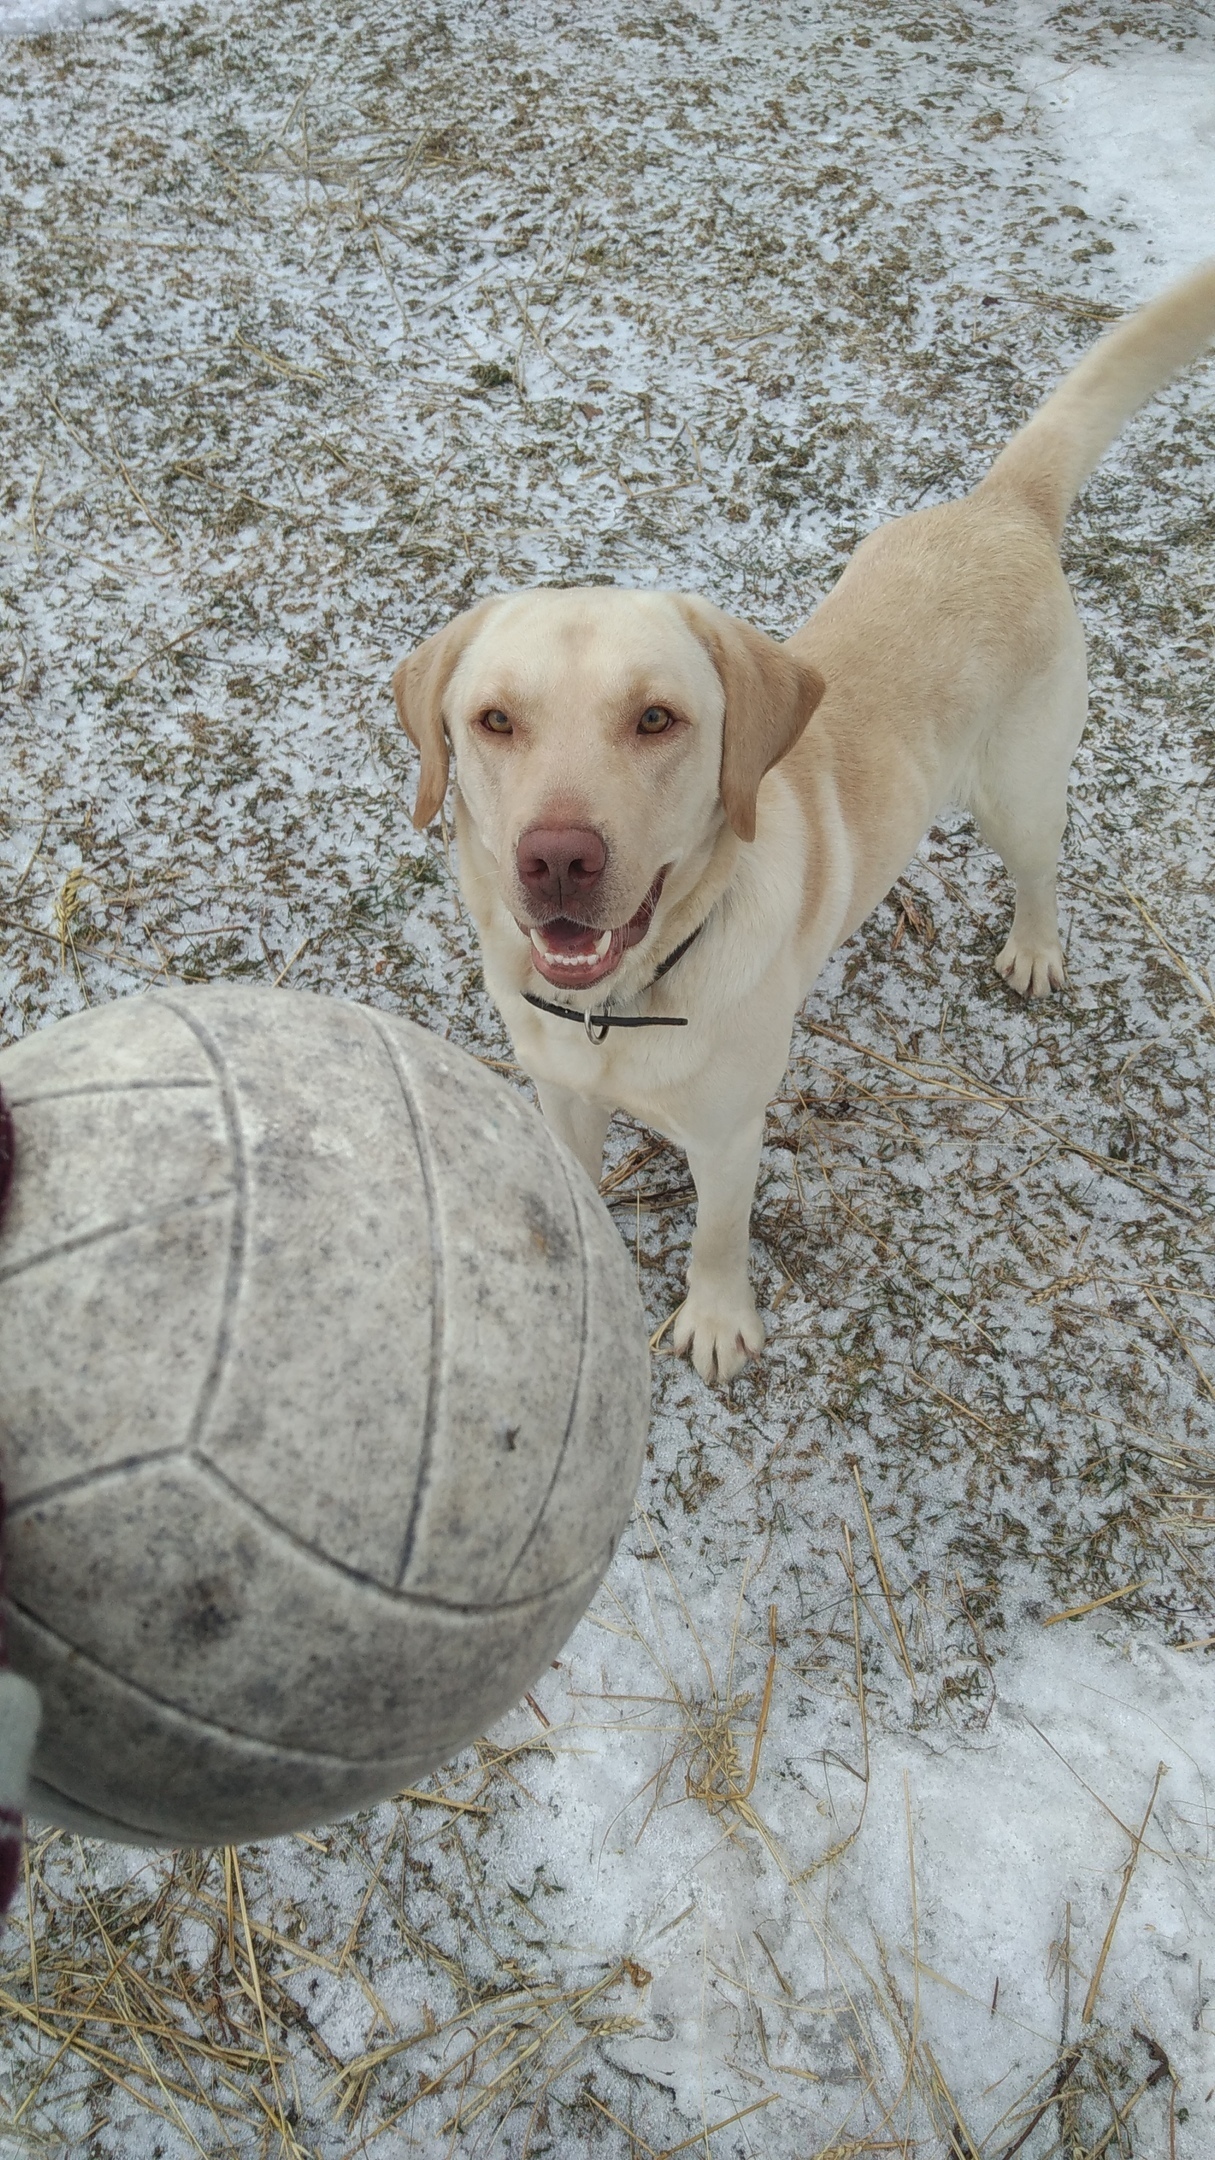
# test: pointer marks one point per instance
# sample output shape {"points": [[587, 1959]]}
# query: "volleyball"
{"points": [[323, 1400]]}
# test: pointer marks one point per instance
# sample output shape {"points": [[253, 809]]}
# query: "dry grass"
{"points": [[161, 1987], [712, 1733]]}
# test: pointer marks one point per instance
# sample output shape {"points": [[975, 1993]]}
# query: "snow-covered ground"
{"points": [[25, 18], [319, 323]]}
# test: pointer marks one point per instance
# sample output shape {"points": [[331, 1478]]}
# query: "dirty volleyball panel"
{"points": [[323, 1398]]}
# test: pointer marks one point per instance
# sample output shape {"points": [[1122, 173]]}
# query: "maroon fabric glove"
{"points": [[18, 1700]]}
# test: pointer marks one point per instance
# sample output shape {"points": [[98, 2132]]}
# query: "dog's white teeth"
{"points": [[556, 958], [560, 959]]}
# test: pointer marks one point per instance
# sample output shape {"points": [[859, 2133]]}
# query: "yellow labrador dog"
{"points": [[666, 820]]}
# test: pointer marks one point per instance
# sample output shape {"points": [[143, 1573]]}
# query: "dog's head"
{"points": [[603, 739]]}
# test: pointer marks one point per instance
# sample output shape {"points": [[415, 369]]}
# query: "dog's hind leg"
{"points": [[1017, 791]]}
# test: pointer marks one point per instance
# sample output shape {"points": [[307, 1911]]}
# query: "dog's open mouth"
{"points": [[576, 955]]}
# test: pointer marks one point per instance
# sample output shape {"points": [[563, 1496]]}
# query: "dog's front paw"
{"points": [[722, 1330], [1033, 970]]}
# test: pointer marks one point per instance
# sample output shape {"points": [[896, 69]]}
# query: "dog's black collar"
{"points": [[597, 1024]]}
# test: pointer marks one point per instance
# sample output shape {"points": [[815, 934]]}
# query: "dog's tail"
{"points": [[1049, 461]]}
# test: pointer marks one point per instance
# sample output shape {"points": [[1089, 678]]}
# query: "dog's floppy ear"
{"points": [[770, 695], [419, 685]]}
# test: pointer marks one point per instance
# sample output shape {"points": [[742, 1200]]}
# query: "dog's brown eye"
{"points": [[655, 721], [496, 723]]}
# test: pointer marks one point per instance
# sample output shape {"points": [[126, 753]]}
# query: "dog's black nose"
{"points": [[560, 862]]}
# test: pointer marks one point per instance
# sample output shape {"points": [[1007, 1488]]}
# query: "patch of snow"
{"points": [[28, 18], [1137, 132], [977, 1862]]}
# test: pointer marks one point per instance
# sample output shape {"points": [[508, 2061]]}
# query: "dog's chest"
{"points": [[632, 1069]]}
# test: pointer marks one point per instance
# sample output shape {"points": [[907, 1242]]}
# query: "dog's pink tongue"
{"points": [[569, 937], [576, 955]]}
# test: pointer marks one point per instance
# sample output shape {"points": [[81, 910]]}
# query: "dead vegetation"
{"points": [[188, 1990]]}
